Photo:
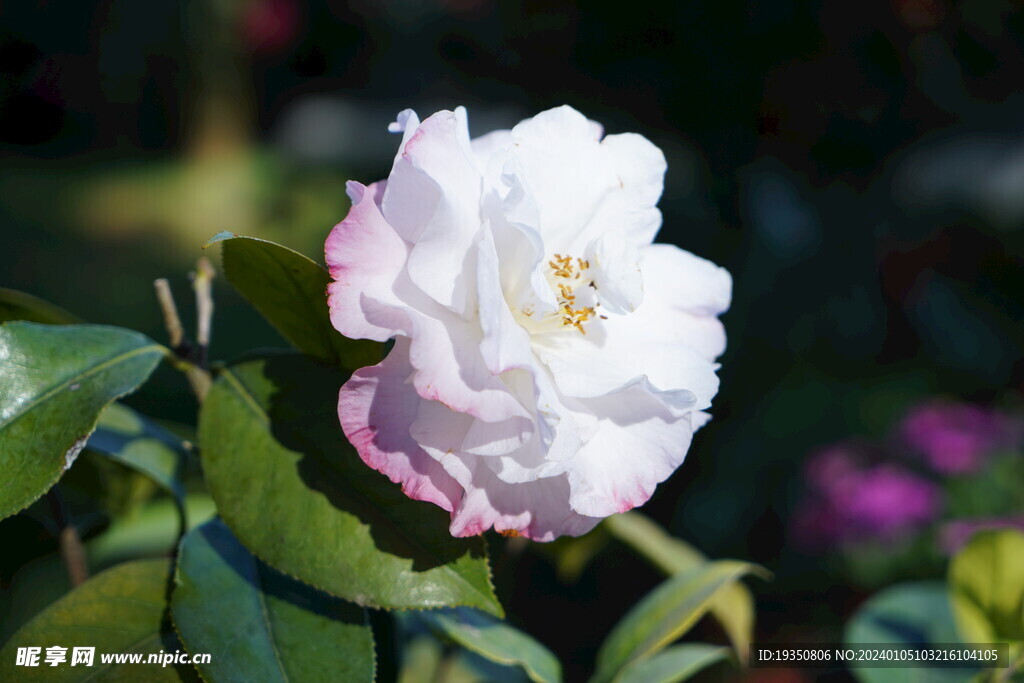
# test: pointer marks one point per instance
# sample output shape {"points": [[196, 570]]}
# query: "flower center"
{"points": [[575, 294], [566, 276]]}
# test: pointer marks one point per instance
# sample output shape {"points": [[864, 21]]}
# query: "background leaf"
{"points": [[124, 435], [290, 291], [15, 305], [909, 613], [986, 583], [295, 492], [120, 610], [153, 530], [496, 640], [291, 631], [665, 614], [54, 381], [128, 438], [421, 658], [677, 663], [733, 607]]}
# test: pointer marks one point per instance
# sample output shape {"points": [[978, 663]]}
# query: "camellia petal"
{"points": [[537, 509], [551, 364], [432, 201], [376, 410]]}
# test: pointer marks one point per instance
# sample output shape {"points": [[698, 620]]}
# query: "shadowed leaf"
{"points": [[292, 631], [119, 611], [15, 305], [290, 291], [497, 641], [295, 492]]}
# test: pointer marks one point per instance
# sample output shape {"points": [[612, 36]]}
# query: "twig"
{"points": [[172, 322], [197, 375], [72, 552], [202, 281]]}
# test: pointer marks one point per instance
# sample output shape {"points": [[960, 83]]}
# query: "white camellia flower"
{"points": [[551, 364]]}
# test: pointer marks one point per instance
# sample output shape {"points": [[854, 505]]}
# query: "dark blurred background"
{"points": [[858, 167]]}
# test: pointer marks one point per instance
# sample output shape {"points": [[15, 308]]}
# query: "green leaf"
{"points": [[290, 291], [121, 610], [986, 583], [127, 437], [292, 631], [295, 492], [665, 614], [496, 640], [15, 305], [571, 555], [463, 666], [54, 381], [673, 664], [733, 607], [152, 531], [421, 659], [36, 584], [906, 614], [99, 485], [668, 553]]}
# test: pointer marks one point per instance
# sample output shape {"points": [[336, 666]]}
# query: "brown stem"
{"points": [[202, 283], [172, 322], [198, 377], [72, 552]]}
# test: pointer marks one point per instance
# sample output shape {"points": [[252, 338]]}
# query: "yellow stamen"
{"points": [[568, 268]]}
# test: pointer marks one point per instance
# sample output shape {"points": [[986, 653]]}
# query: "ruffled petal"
{"points": [[450, 369], [441, 430], [642, 437], [405, 123], [560, 163], [672, 337], [514, 218], [365, 257], [433, 201], [640, 166], [373, 297], [490, 145], [505, 345], [615, 269], [538, 510], [376, 408], [694, 284], [629, 210]]}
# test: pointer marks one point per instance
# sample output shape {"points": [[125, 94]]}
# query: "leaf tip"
{"points": [[220, 237]]}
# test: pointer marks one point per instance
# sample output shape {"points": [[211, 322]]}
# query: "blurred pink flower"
{"points": [[850, 500], [887, 500], [954, 438], [829, 467]]}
